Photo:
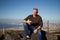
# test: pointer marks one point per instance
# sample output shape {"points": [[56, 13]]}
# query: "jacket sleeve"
{"points": [[27, 18], [40, 22]]}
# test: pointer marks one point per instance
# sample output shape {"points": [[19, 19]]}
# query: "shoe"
{"points": [[27, 37]]}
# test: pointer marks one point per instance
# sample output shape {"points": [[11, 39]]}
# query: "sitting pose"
{"points": [[33, 24]]}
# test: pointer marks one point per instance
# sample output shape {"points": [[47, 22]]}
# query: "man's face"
{"points": [[34, 12]]}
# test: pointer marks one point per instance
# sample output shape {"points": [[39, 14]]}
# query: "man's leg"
{"points": [[31, 29], [26, 30], [39, 35]]}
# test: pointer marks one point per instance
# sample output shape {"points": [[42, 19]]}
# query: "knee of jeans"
{"points": [[39, 32]]}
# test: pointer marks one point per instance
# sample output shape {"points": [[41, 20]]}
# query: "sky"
{"points": [[19, 9]]}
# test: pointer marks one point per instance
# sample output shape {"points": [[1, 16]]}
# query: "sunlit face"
{"points": [[34, 12]]}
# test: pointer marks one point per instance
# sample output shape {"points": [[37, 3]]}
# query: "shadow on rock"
{"points": [[44, 35]]}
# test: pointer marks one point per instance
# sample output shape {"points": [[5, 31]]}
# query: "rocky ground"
{"points": [[19, 35]]}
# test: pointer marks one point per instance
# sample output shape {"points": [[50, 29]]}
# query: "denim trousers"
{"points": [[28, 30]]}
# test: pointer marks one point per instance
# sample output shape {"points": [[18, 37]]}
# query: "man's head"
{"points": [[35, 11]]}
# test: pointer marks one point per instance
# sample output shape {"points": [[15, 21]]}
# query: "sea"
{"points": [[10, 23]]}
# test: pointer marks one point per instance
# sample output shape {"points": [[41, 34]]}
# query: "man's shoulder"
{"points": [[38, 15]]}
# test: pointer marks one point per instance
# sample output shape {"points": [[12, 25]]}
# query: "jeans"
{"points": [[28, 30]]}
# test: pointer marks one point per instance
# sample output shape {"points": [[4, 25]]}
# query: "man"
{"points": [[33, 24]]}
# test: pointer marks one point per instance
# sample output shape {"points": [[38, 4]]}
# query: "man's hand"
{"points": [[35, 31], [28, 21]]}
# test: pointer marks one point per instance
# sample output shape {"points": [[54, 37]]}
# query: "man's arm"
{"points": [[27, 21], [39, 25], [36, 30]]}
